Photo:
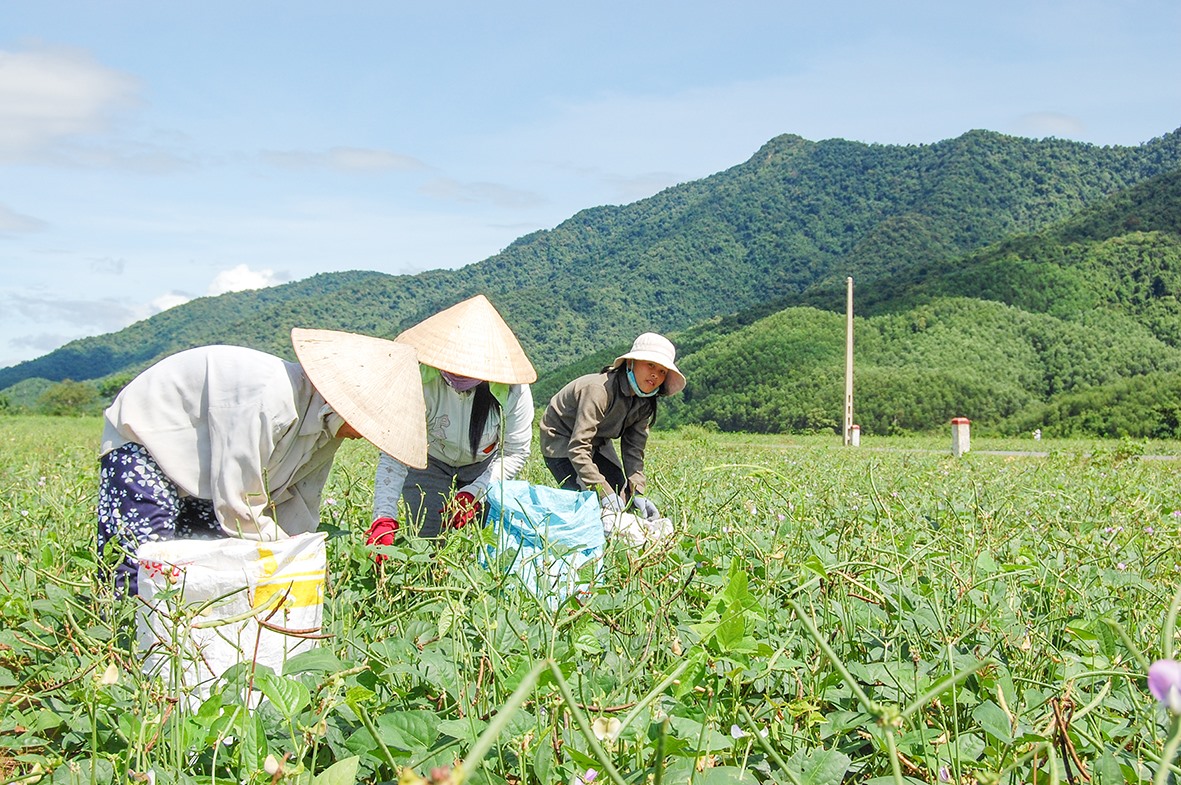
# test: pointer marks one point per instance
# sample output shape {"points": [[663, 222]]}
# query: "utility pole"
{"points": [[849, 363]]}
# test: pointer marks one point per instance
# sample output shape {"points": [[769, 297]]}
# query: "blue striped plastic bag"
{"points": [[551, 539]]}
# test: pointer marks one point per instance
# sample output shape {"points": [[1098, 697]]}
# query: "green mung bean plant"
{"points": [[885, 614]]}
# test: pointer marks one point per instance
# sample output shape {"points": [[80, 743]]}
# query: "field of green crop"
{"points": [[888, 614]]}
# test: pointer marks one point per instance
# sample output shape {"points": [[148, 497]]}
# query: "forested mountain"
{"points": [[797, 215], [1075, 329]]}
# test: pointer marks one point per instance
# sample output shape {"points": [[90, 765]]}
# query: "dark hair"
{"points": [[483, 405]]}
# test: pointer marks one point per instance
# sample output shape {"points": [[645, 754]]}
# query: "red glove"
{"points": [[381, 532], [464, 509]]}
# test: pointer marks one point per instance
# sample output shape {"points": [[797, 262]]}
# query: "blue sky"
{"points": [[152, 152]]}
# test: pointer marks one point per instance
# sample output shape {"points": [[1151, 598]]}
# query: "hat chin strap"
{"points": [[631, 379]]}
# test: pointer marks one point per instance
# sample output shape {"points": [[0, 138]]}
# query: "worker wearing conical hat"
{"points": [[225, 441], [479, 418]]}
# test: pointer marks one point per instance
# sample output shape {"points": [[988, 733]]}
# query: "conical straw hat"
{"points": [[471, 339], [374, 384]]}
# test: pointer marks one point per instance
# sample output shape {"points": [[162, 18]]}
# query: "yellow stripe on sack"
{"points": [[303, 589], [266, 557]]}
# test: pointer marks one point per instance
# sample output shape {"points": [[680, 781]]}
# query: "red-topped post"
{"points": [[961, 437]]}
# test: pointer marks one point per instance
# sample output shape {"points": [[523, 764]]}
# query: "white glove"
{"points": [[646, 508], [611, 503]]}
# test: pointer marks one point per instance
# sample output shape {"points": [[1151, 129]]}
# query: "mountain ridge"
{"points": [[795, 216]]}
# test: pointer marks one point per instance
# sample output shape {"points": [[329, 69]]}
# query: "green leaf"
{"points": [[813, 564], [701, 738], [287, 695], [252, 748], [343, 772], [441, 671], [318, 660], [465, 730], [543, 760], [79, 772], [1106, 770], [358, 694], [993, 720], [446, 619], [819, 766], [726, 775], [965, 747], [731, 631], [409, 730]]}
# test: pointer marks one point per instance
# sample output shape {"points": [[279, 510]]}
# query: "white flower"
{"points": [[606, 729], [737, 732]]}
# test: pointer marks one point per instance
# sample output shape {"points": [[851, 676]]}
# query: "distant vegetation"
{"points": [[1020, 283]]}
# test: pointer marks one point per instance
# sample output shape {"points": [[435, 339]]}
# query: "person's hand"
{"points": [[645, 507], [464, 509], [611, 502], [381, 532]]}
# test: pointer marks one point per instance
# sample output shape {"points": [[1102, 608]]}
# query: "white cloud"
{"points": [[169, 300], [49, 95], [349, 159], [12, 221], [1051, 124], [103, 314], [640, 186], [495, 194], [242, 278], [237, 279], [108, 265], [41, 342]]}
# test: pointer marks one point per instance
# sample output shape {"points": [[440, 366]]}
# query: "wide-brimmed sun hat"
{"points": [[373, 383], [471, 339], [660, 350]]}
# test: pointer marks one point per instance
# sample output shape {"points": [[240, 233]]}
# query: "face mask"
{"points": [[631, 379], [459, 383]]}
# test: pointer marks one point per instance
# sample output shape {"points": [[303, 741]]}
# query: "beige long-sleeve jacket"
{"points": [[238, 427]]}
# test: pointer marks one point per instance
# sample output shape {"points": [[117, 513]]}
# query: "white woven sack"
{"points": [[210, 604], [635, 529]]}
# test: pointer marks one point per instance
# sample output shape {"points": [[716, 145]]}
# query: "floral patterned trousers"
{"points": [[137, 503]]}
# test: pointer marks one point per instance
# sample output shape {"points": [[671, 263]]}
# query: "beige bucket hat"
{"points": [[660, 350], [374, 384], [471, 339]]}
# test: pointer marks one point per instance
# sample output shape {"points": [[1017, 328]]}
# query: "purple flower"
{"points": [[1164, 682]]}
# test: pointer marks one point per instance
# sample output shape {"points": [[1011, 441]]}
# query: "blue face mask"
{"points": [[631, 379]]}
